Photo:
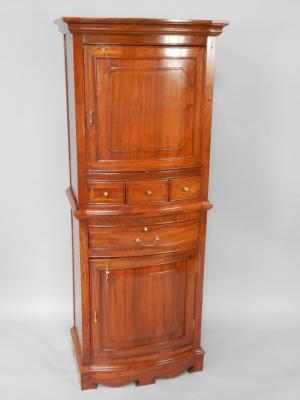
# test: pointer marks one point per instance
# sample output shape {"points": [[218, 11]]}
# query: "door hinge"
{"points": [[95, 316], [91, 117], [107, 273]]}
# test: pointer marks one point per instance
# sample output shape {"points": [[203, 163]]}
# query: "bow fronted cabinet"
{"points": [[139, 96]]}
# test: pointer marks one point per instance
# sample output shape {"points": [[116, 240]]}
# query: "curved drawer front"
{"points": [[143, 192], [106, 192], [147, 191], [184, 188], [142, 240]]}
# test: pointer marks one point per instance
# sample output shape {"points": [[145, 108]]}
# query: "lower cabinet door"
{"points": [[141, 304]]}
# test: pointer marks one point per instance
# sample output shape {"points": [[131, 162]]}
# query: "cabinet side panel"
{"points": [[71, 113], [77, 280], [199, 279], [207, 113]]}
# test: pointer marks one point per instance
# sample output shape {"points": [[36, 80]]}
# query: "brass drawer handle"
{"points": [[186, 189], [153, 244], [106, 194], [149, 193]]}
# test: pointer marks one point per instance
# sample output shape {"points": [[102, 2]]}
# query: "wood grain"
{"points": [[185, 188], [106, 192], [139, 99], [144, 306], [142, 240], [132, 127], [147, 191]]}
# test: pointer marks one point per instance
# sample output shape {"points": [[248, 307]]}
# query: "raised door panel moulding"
{"points": [[142, 106]]}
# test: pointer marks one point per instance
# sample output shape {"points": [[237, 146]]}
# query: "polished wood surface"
{"points": [[142, 240], [107, 192], [185, 188], [124, 327], [138, 26], [139, 97], [130, 127], [147, 191]]}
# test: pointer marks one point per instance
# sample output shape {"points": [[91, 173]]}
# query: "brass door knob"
{"points": [[106, 194], [145, 229], [186, 189], [148, 193]]}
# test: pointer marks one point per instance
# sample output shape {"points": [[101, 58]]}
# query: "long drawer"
{"points": [[142, 240]]}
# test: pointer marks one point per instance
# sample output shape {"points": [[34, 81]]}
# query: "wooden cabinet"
{"points": [[139, 96]]}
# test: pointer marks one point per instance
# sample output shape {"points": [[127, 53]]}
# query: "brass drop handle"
{"points": [[95, 316], [186, 189], [106, 194], [153, 244], [149, 193]]}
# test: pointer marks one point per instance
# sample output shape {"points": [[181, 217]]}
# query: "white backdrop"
{"points": [[252, 301]]}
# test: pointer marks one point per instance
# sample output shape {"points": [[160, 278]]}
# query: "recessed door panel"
{"points": [[137, 119], [143, 107], [141, 306]]}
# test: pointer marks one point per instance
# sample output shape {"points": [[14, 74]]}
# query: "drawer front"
{"points": [[147, 191], [184, 188], [107, 192], [143, 240]]}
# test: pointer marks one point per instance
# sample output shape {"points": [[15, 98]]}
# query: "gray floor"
{"points": [[244, 360]]}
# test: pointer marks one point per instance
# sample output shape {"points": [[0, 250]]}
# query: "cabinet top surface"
{"points": [[77, 24]]}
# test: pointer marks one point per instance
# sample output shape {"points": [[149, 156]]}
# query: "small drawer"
{"points": [[142, 240], [106, 192], [147, 191], [185, 188]]}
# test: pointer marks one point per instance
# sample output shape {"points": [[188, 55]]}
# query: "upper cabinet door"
{"points": [[143, 107]]}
